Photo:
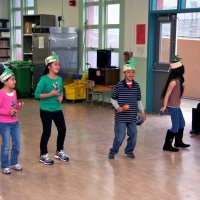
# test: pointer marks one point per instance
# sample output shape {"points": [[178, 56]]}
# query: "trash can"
{"points": [[195, 120], [22, 72]]}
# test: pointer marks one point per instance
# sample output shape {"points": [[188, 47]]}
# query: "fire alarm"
{"points": [[72, 2]]}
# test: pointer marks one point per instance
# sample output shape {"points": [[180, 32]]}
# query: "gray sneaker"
{"points": [[62, 156], [46, 160], [16, 167]]}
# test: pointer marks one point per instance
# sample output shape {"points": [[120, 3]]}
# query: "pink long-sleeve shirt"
{"points": [[7, 101]]}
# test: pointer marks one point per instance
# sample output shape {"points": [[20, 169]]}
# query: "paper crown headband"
{"points": [[52, 58], [130, 65], [176, 62], [5, 73]]}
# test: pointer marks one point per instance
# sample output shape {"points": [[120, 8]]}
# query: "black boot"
{"points": [[168, 142], [178, 139]]}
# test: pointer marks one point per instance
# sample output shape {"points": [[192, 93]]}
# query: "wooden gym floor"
{"points": [[153, 175]]}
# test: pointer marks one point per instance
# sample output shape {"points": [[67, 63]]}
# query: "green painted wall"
{"points": [[4, 9], [141, 76]]}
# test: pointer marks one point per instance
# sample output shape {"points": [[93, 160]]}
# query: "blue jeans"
{"points": [[177, 119], [120, 134], [7, 130]]}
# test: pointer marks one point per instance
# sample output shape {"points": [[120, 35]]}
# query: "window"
{"points": [[19, 8], [188, 25], [91, 58], [29, 3], [92, 36], [164, 47], [113, 12], [192, 4], [102, 30], [166, 4], [93, 15], [91, 0], [112, 38], [174, 4]]}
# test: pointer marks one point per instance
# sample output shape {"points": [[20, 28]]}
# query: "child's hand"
{"points": [[60, 98], [54, 92], [120, 109], [21, 104], [162, 110], [13, 112], [143, 115]]}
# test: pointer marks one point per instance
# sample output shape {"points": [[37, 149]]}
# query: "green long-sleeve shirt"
{"points": [[46, 85]]}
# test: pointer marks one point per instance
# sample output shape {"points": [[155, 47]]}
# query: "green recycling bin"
{"points": [[22, 72]]}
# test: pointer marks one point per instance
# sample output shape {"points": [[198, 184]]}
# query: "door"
{"points": [[165, 48]]}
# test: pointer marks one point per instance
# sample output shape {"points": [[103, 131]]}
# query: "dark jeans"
{"points": [[46, 118]]}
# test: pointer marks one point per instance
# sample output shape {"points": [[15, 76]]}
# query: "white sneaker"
{"points": [[16, 167], [6, 170]]}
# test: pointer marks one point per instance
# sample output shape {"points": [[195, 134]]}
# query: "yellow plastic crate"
{"points": [[78, 82], [75, 91], [84, 76]]}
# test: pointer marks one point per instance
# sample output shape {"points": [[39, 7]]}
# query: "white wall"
{"points": [[136, 12], [4, 9], [57, 8]]}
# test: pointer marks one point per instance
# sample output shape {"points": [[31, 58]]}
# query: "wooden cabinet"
{"points": [[104, 76], [30, 21], [4, 40]]}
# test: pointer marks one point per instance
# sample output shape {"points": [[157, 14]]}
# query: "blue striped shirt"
{"points": [[125, 95]]}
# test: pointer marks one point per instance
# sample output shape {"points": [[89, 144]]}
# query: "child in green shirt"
{"points": [[50, 92]]}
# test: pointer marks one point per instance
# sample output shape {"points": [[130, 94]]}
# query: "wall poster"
{"points": [[140, 33]]}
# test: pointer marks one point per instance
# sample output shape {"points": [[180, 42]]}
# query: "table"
{"points": [[104, 89]]}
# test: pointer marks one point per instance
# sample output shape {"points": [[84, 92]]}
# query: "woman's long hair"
{"points": [[175, 74], [46, 70], [1, 85], [1, 72]]}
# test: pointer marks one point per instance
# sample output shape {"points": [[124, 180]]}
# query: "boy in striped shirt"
{"points": [[126, 99]]}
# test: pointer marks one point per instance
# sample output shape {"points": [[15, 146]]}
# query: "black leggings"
{"points": [[46, 118]]}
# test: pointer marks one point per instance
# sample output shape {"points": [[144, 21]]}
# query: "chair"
{"points": [[90, 90]]}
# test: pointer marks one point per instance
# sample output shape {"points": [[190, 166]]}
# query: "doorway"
{"points": [[165, 47]]}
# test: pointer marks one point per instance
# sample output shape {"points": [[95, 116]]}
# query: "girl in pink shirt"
{"points": [[9, 126]]}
